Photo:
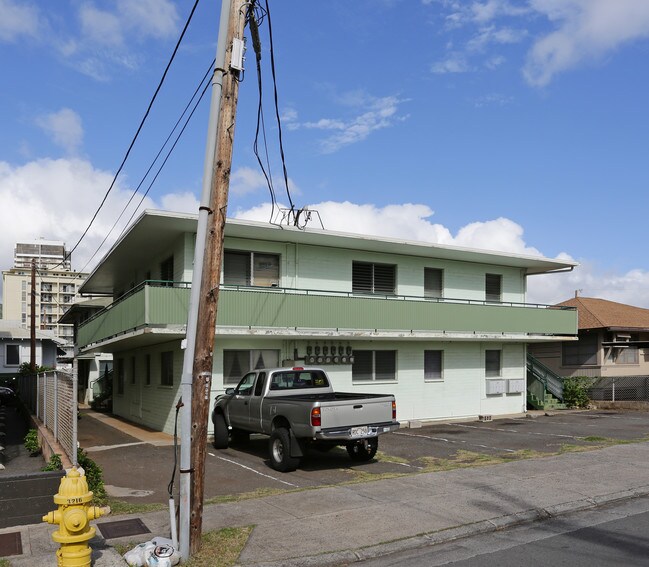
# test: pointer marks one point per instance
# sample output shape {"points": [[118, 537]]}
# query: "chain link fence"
{"points": [[52, 397], [620, 388]]}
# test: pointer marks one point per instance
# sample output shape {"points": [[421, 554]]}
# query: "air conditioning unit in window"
{"points": [[495, 387], [515, 386]]}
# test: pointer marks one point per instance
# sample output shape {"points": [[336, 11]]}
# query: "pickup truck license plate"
{"points": [[359, 431]]}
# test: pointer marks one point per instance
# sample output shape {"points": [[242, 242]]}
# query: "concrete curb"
{"points": [[458, 532]]}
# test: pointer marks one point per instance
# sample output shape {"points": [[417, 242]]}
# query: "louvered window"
{"points": [[433, 365], [493, 287], [373, 278], [492, 363], [236, 363], [581, 352], [372, 365], [433, 282], [250, 268]]}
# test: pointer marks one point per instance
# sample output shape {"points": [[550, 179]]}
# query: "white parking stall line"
{"points": [[455, 442], [253, 470], [98, 448], [518, 432]]}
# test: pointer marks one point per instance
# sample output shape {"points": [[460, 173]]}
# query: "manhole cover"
{"points": [[10, 544], [123, 528]]}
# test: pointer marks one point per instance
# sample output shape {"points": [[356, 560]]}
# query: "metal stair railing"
{"points": [[552, 382]]}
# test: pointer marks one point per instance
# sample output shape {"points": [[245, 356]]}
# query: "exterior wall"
{"points": [[152, 405], [45, 354], [461, 393], [550, 354], [330, 269]]}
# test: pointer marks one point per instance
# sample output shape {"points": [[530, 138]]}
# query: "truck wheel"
{"points": [[220, 432], [239, 436], [363, 450], [279, 447]]}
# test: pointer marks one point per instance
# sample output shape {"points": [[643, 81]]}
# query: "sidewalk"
{"points": [[343, 524]]}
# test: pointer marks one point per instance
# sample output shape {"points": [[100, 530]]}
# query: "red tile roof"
{"points": [[600, 313]]}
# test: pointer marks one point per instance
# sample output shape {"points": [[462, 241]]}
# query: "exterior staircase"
{"points": [[544, 387]]}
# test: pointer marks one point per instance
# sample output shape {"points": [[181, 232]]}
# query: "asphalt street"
{"points": [[610, 536]]}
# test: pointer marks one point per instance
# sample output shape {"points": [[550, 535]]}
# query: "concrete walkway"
{"points": [[343, 524]]}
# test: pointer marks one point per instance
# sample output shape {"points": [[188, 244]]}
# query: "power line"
{"points": [[137, 133], [279, 121], [135, 191]]}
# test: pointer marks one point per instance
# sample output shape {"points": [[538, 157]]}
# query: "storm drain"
{"points": [[123, 528], [10, 544]]}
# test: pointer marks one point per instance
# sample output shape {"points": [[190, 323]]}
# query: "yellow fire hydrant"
{"points": [[73, 517]]}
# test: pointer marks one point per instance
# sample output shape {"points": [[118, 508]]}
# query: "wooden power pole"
{"points": [[212, 260]]}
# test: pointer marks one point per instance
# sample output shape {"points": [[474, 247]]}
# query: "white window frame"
{"points": [[489, 373], [440, 378], [7, 363], [374, 377], [250, 277], [434, 293]]}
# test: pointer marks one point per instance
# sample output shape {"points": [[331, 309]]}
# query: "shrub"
{"points": [[94, 476], [54, 464], [575, 391], [31, 442]]}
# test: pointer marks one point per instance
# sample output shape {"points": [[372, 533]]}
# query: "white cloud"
{"points": [[100, 26], [185, 202], [412, 222], [455, 63], [586, 30], [375, 114], [64, 127], [246, 180], [55, 199], [18, 19], [576, 32], [155, 18]]}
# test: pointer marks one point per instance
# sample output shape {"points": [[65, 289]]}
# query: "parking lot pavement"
{"points": [[131, 463]]}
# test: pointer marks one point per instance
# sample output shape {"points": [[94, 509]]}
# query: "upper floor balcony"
{"points": [[300, 312]]}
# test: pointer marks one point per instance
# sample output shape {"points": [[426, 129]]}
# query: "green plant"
{"points": [[94, 477], [54, 464], [26, 369], [575, 391], [31, 442]]}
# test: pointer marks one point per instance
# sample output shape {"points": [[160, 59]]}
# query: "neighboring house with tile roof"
{"points": [[613, 341]]}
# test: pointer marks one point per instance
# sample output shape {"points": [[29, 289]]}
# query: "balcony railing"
{"points": [[161, 303]]}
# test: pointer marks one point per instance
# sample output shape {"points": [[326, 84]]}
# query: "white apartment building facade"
{"points": [[56, 287]]}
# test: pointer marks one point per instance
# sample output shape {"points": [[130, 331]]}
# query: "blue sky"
{"points": [[518, 126]]}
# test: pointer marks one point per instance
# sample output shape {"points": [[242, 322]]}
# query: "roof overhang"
{"points": [[154, 232]]}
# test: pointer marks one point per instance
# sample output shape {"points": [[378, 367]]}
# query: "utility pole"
{"points": [[201, 325], [32, 342]]}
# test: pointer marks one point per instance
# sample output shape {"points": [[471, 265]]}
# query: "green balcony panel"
{"points": [[282, 309], [156, 306]]}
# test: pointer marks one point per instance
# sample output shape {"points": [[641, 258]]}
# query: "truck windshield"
{"points": [[299, 379]]}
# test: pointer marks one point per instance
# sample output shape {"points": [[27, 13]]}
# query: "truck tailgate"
{"points": [[359, 412]]}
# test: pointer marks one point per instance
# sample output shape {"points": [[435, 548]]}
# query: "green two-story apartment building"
{"points": [[443, 328]]}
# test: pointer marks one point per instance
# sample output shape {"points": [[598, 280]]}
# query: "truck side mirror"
{"points": [[229, 391]]}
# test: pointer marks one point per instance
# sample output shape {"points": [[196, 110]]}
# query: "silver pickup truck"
{"points": [[298, 408]]}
